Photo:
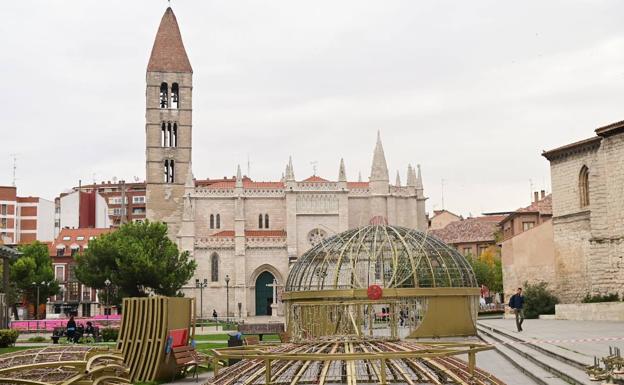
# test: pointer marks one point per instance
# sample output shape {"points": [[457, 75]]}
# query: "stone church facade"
{"points": [[588, 214], [245, 230]]}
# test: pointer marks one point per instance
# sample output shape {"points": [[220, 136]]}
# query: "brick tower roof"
{"points": [[168, 53]]}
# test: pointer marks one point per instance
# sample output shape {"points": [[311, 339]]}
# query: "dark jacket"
{"points": [[516, 301]]}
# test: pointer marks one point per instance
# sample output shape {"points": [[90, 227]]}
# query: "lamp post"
{"points": [[201, 285], [107, 283], [227, 299], [38, 285]]}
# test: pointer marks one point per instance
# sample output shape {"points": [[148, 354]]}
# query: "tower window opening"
{"points": [[260, 223], [163, 128], [218, 221], [584, 186], [175, 96], [164, 95], [266, 221], [173, 139], [211, 221], [169, 171]]}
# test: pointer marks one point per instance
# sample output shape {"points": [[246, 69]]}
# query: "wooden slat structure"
{"points": [[146, 326]]}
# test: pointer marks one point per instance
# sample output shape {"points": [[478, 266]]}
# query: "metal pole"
{"points": [[201, 303], [227, 301]]}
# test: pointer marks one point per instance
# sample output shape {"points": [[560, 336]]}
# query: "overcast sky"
{"points": [[471, 90]]}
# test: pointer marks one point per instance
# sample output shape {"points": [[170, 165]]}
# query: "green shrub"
{"points": [[37, 339], [8, 337], [229, 326], [611, 297], [109, 334], [538, 299]]}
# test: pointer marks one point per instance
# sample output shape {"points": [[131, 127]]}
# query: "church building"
{"points": [[244, 234]]}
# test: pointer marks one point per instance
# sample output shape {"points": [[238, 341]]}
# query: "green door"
{"points": [[264, 293]]}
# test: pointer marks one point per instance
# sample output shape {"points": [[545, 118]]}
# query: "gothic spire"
{"points": [[379, 169], [239, 177], [419, 184], [411, 176], [359, 176], [398, 180], [290, 172], [168, 53], [342, 174]]}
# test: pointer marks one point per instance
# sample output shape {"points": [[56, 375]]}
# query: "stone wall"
{"points": [[603, 311], [529, 257]]}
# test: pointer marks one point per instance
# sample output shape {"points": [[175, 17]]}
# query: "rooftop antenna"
{"points": [[248, 166], [14, 156], [314, 164], [442, 182]]}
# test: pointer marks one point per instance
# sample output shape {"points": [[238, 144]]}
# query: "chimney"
{"points": [[536, 196], [543, 194]]}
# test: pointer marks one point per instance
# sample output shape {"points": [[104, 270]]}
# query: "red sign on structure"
{"points": [[374, 292]]}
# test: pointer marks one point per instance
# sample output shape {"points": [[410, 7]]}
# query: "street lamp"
{"points": [[107, 283], [201, 285], [43, 283], [227, 298]]}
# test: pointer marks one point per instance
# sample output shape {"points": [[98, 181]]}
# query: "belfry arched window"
{"points": [[169, 173], [584, 186], [173, 139], [165, 135], [260, 221], [175, 96], [214, 267], [266, 221], [211, 221], [218, 221], [164, 95]]}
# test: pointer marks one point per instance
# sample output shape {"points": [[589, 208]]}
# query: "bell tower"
{"points": [[168, 126]]}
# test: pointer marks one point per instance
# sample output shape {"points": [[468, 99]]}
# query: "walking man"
{"points": [[516, 302]]}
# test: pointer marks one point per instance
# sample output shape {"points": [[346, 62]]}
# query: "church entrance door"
{"points": [[264, 293]]}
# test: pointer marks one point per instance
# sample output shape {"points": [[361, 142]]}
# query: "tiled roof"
{"points": [[168, 53], [86, 233], [247, 184], [315, 178], [542, 206], [357, 184], [480, 229], [438, 212], [252, 233]]}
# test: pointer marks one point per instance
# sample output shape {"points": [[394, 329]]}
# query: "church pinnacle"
{"points": [[379, 169], [342, 173], [290, 172], [168, 53]]}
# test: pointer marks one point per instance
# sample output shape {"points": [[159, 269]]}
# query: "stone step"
{"points": [[546, 361], [528, 368], [578, 360]]}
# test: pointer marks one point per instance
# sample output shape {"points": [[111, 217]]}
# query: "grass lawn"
{"points": [[225, 337], [11, 349]]}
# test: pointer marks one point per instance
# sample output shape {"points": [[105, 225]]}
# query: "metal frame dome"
{"points": [[373, 279]]}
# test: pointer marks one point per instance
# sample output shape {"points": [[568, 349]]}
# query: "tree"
{"points": [[488, 269], [538, 299], [33, 268], [138, 259]]}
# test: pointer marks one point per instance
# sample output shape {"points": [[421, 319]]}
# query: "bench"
{"points": [[185, 357], [61, 331], [252, 340], [261, 329]]}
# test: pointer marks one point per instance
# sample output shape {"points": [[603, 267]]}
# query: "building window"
{"points": [[75, 250], [214, 267], [60, 251], [266, 221], [584, 186], [527, 225], [3, 223], [138, 199], [467, 251], [3, 209], [173, 138], [175, 95], [482, 249], [218, 221], [169, 171], [164, 135], [211, 221], [164, 95], [169, 134], [59, 273], [260, 221]]}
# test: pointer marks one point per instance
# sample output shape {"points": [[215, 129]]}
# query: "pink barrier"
{"points": [[48, 325]]}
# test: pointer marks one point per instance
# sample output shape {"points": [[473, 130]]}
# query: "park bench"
{"points": [[186, 357], [61, 331], [261, 329], [251, 340]]}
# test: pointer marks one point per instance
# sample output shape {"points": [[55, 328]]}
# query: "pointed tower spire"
{"points": [[411, 176], [379, 169], [168, 53], [398, 180], [239, 177], [419, 184], [190, 182], [342, 174], [290, 172]]}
